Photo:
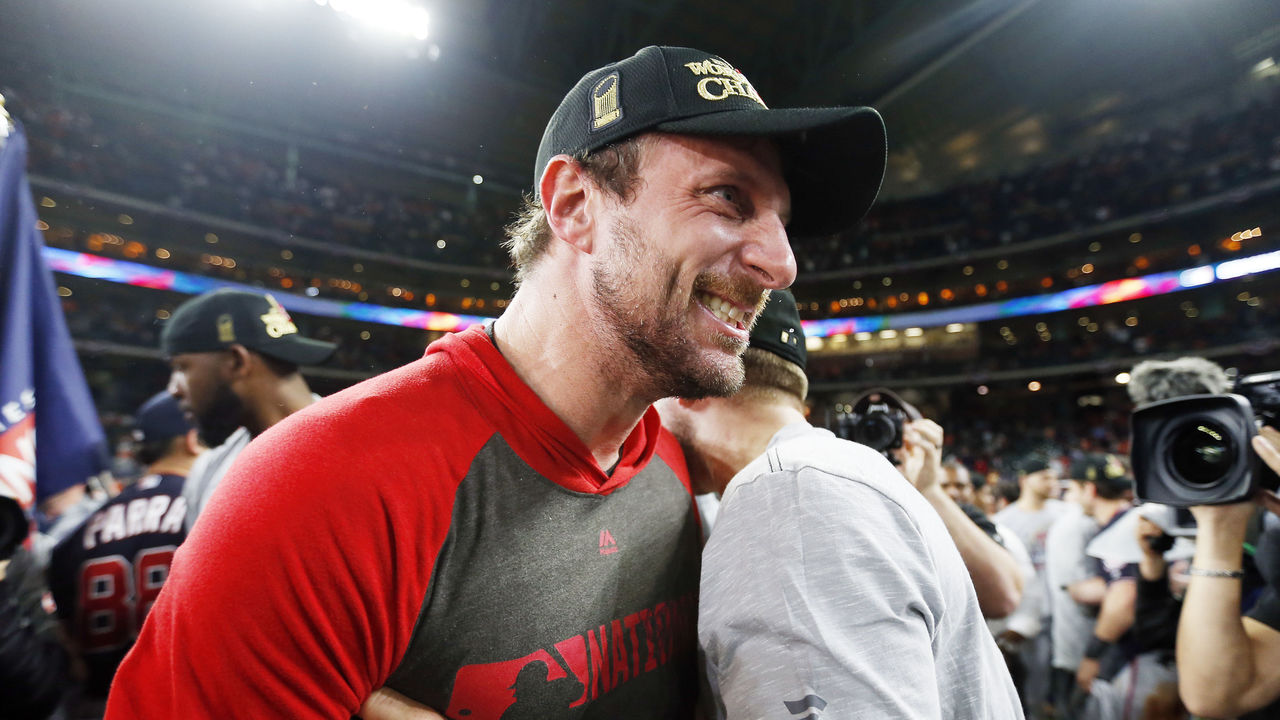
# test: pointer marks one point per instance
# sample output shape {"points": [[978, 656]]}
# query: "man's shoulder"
{"points": [[827, 461], [409, 399], [821, 450]]}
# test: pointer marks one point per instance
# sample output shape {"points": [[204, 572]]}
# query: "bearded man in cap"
{"points": [[235, 356], [830, 584], [510, 500]]}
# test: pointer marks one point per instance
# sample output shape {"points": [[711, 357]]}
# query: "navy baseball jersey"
{"points": [[107, 573]]}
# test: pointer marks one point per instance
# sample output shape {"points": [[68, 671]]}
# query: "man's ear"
{"points": [[565, 191], [242, 361], [191, 441]]}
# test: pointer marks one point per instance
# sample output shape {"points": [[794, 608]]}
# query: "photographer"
{"points": [[1226, 663], [1229, 664], [33, 664]]}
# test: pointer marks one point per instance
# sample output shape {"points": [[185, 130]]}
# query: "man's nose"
{"points": [[768, 253]]}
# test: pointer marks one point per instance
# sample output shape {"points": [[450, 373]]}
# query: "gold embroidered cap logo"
{"points": [[277, 320], [722, 80], [789, 337], [226, 329], [605, 108]]}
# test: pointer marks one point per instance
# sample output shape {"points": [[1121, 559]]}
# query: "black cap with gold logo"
{"points": [[778, 329], [217, 320], [833, 158]]}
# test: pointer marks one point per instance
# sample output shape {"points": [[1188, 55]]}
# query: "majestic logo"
{"points": [[605, 107], [722, 81], [226, 329], [277, 320], [811, 704], [607, 544]]}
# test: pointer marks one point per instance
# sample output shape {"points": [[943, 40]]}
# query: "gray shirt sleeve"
{"points": [[804, 595]]}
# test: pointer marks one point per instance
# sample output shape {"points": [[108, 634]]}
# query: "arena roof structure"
{"points": [[966, 86]]}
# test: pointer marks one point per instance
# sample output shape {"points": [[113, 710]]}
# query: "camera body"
{"points": [[876, 420], [1195, 450]]}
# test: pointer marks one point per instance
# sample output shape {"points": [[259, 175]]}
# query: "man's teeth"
{"points": [[725, 311]]}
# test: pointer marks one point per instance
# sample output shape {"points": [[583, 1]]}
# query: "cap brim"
{"points": [[301, 351], [834, 158]]}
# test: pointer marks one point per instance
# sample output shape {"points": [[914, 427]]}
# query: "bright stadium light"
{"points": [[390, 15]]}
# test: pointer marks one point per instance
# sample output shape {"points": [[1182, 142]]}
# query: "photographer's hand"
{"points": [[922, 445], [1226, 663]]}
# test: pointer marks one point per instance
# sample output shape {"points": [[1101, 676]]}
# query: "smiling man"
{"points": [[502, 528]]}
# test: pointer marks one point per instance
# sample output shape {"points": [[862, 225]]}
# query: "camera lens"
{"points": [[1202, 453], [876, 431]]}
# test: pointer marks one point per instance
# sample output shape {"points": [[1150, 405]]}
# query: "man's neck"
{"points": [[278, 400], [744, 435], [1031, 503], [578, 374], [172, 465], [1106, 510]]}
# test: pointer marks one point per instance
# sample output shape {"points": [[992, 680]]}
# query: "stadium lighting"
{"points": [[390, 15]]}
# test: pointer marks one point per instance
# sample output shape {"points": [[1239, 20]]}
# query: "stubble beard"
{"points": [[225, 414], [656, 330]]}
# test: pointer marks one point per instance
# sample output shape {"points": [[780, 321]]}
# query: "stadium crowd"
{"points": [[230, 177]]}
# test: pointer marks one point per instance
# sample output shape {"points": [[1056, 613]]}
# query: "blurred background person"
{"points": [[1029, 517], [235, 357], [1065, 565], [106, 573], [1107, 498], [34, 664]]}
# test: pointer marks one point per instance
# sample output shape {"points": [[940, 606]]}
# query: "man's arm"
{"points": [[289, 598], [1089, 591], [993, 570], [1156, 610], [1226, 664], [1115, 617]]}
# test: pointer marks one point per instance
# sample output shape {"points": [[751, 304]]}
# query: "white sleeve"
{"points": [[815, 585], [1025, 619]]}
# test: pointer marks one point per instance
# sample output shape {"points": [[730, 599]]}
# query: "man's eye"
{"points": [[727, 193]]}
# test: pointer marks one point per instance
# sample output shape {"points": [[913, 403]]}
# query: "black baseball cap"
{"points": [[1105, 470], [833, 158], [1035, 461], [159, 419], [217, 320], [778, 329]]}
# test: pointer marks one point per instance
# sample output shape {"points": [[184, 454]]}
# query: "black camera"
{"points": [[875, 419], [1195, 450]]}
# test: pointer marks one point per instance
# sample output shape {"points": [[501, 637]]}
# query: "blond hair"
{"points": [[770, 377]]}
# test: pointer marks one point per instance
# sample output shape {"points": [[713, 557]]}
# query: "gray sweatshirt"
{"points": [[830, 588]]}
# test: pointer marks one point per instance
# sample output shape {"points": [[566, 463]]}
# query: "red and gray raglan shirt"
{"points": [[440, 531]]}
